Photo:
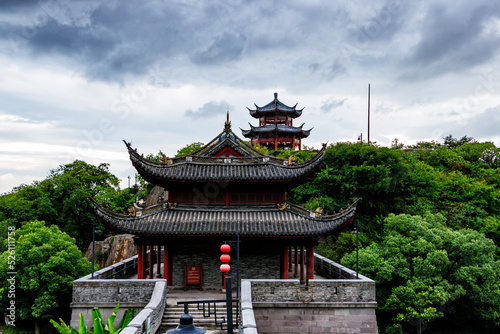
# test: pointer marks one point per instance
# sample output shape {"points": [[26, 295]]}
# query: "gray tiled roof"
{"points": [[210, 169], [257, 220], [296, 130], [275, 106], [231, 142]]}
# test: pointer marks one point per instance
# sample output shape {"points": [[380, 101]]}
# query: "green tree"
{"points": [[454, 142], [356, 170], [425, 270], [47, 261], [190, 148], [61, 199]]}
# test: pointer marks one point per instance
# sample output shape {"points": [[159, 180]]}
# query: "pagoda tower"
{"points": [[225, 190], [276, 128]]}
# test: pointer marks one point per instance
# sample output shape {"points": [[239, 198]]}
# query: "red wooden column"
{"points": [[310, 263], [290, 258], [140, 262], [301, 263], [284, 263], [158, 261], [145, 261], [151, 251], [167, 266], [296, 261]]}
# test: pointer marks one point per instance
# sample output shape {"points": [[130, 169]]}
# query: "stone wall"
{"points": [[257, 265], [111, 292], [325, 306], [315, 319], [330, 291]]}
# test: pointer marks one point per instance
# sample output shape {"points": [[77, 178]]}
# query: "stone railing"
{"points": [[266, 303], [117, 270], [149, 319], [333, 270], [107, 289]]}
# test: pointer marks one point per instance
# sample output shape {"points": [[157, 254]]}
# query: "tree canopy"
{"points": [[425, 270], [47, 261], [62, 199], [430, 223]]}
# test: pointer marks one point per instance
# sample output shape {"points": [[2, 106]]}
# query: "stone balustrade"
{"points": [[284, 306]]}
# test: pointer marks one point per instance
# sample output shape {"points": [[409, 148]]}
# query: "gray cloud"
{"points": [[208, 110], [331, 104], [483, 125], [227, 47], [239, 51], [453, 38]]}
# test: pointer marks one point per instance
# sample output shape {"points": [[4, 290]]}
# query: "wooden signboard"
{"points": [[192, 275]]}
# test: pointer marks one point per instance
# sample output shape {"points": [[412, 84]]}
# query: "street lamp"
{"points": [[94, 231], [356, 230]]}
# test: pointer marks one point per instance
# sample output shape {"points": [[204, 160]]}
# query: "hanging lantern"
{"points": [[225, 248], [225, 268], [225, 258]]}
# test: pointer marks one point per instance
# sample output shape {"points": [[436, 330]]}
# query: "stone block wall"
{"points": [[257, 265], [325, 306], [113, 291], [106, 294], [331, 291], [315, 319]]}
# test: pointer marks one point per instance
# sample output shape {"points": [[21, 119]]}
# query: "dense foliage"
{"points": [[46, 262], [62, 199], [429, 216], [425, 270], [430, 219]]}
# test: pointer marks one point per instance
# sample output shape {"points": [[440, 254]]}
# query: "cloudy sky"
{"points": [[78, 77]]}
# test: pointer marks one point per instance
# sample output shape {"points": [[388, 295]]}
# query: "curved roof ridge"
{"points": [[247, 221], [271, 161], [303, 210], [275, 106]]}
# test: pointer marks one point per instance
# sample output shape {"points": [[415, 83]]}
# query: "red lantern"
{"points": [[225, 248], [225, 268], [225, 258]]}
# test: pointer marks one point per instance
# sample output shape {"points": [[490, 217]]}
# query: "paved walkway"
{"points": [[176, 294]]}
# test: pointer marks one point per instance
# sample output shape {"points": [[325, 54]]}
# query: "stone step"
{"points": [[173, 313], [195, 313]]}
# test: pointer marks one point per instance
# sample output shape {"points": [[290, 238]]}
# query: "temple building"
{"points": [[228, 190], [276, 128]]}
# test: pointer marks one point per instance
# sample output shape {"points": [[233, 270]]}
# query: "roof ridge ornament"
{"points": [[282, 206], [227, 125]]}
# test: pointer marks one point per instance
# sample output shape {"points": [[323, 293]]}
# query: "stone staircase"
{"points": [[173, 313]]}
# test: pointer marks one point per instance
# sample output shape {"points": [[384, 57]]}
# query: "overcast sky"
{"points": [[78, 77]]}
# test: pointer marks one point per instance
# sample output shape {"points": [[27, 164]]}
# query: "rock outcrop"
{"points": [[112, 250]]}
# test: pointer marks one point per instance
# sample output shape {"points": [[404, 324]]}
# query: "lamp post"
{"points": [[225, 267], [237, 244], [94, 231], [356, 230]]}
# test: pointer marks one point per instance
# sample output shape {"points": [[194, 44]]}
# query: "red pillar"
{"points": [[140, 262], [296, 261], [310, 263], [284, 264], [290, 258], [301, 263], [158, 261], [145, 257], [151, 249], [167, 271]]}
